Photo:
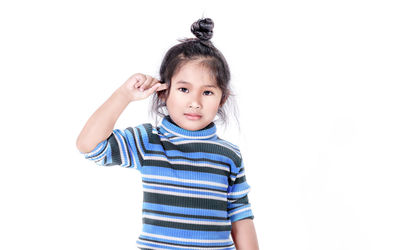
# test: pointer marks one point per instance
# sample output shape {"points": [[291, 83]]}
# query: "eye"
{"points": [[185, 90], [207, 92]]}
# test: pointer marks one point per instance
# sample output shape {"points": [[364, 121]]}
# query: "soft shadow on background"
{"points": [[317, 91]]}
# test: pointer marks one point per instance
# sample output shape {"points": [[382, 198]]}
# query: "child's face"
{"points": [[194, 97]]}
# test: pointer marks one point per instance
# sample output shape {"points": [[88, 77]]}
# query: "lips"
{"points": [[193, 116]]}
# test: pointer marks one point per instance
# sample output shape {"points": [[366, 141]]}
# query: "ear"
{"points": [[162, 95], [222, 102], [224, 98]]}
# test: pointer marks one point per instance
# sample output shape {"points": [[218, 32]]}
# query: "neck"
{"points": [[205, 133]]}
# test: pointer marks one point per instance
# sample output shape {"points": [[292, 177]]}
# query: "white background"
{"points": [[317, 86]]}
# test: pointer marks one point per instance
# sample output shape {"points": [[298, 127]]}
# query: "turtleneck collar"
{"points": [[205, 133]]}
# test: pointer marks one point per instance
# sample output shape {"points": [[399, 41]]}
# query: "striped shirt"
{"points": [[194, 184]]}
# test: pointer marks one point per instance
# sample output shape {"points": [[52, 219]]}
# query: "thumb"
{"points": [[151, 90], [162, 86]]}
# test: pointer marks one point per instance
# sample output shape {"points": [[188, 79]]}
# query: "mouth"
{"points": [[192, 116]]}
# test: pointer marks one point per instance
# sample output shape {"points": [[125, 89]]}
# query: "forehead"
{"points": [[195, 73]]}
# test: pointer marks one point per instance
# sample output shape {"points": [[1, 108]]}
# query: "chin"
{"points": [[193, 127]]}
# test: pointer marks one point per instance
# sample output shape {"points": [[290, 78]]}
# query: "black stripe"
{"points": [[196, 159], [240, 179], [182, 201], [183, 167], [115, 152], [105, 160], [136, 132], [189, 187], [172, 244], [191, 147], [204, 148], [127, 151], [186, 215], [243, 200], [99, 153], [186, 226], [162, 153]]}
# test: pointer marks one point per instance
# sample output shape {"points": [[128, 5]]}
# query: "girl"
{"points": [[195, 189]]}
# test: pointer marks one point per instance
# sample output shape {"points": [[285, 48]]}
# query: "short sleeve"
{"points": [[121, 148], [239, 207]]}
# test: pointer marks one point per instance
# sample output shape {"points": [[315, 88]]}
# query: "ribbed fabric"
{"points": [[194, 183]]}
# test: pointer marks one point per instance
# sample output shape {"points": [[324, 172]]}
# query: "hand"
{"points": [[140, 86]]}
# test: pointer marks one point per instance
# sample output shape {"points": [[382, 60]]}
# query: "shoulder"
{"points": [[138, 132], [231, 150], [230, 146], [150, 132]]}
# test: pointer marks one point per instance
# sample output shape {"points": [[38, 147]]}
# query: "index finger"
{"points": [[162, 87], [140, 78]]}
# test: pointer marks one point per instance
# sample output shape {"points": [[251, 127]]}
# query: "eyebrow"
{"points": [[208, 85]]}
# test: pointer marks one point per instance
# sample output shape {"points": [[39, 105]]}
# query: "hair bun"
{"points": [[203, 29]]}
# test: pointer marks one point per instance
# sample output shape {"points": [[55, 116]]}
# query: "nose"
{"points": [[194, 103]]}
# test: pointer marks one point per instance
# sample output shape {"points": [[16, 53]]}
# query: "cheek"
{"points": [[214, 104], [172, 101], [169, 102]]}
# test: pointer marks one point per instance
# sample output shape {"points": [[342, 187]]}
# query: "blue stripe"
{"points": [[184, 210], [120, 137], [188, 175], [133, 151], [97, 150], [172, 232], [183, 191], [215, 165]]}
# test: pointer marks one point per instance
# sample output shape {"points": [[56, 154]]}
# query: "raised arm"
{"points": [[100, 125]]}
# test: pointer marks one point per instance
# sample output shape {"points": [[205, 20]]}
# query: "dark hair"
{"points": [[200, 49]]}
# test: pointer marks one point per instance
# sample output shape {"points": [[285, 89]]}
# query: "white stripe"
{"points": [[175, 246], [200, 165], [137, 141], [240, 175], [179, 143], [174, 138], [122, 147], [100, 156], [99, 161], [147, 247], [163, 158], [206, 142], [184, 180], [136, 147], [233, 178], [183, 188], [186, 136], [183, 194], [239, 211], [239, 193], [185, 239], [186, 221], [91, 154], [230, 144]]}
